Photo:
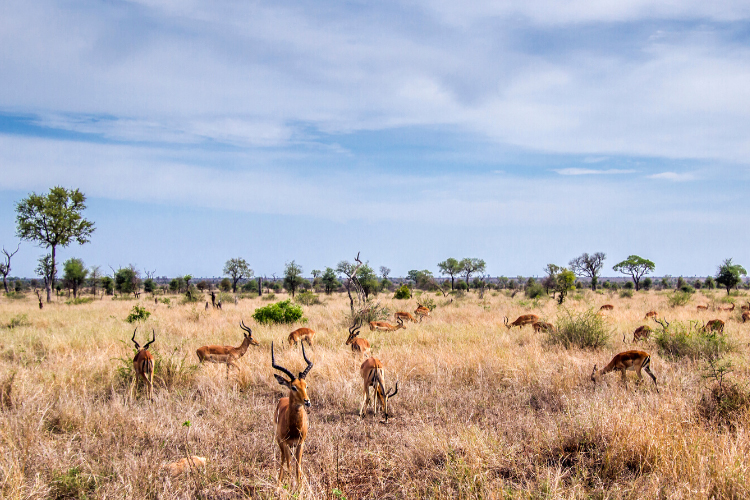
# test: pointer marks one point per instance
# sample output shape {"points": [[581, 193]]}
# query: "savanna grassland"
{"points": [[482, 412]]}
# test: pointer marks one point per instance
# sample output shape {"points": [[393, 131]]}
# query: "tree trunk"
{"points": [[5, 284], [260, 287], [51, 279], [594, 280], [234, 286], [452, 286]]}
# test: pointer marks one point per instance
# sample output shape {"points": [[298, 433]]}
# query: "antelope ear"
{"points": [[286, 383]]}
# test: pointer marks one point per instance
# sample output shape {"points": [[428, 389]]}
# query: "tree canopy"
{"points": [[237, 269], [292, 277], [636, 267], [74, 274], [729, 274], [470, 266], [588, 265], [53, 220], [450, 267]]}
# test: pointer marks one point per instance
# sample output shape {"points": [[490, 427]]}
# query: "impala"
{"points": [[521, 321], [746, 307], [745, 316], [301, 335], [651, 314], [358, 345], [542, 326], [386, 327], [290, 416], [729, 308], [422, 311], [227, 354], [715, 325], [607, 307], [404, 316], [642, 332], [373, 376], [143, 364], [628, 360], [702, 308]]}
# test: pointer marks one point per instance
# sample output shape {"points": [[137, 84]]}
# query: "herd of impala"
{"points": [[290, 416]]}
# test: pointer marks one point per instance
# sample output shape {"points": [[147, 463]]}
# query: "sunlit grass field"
{"points": [[482, 411]]}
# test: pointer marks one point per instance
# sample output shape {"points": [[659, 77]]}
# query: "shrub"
{"points": [[628, 285], [307, 298], [403, 292], [165, 300], [18, 320], [79, 300], [687, 289], [678, 298], [138, 313], [626, 294], [72, 484], [15, 295], [428, 302], [269, 296], [680, 340], [724, 404], [280, 312], [535, 290], [586, 330]]}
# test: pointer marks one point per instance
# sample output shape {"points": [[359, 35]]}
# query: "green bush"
{"points": [[138, 313], [269, 296], [280, 312], [535, 290], [15, 295], [687, 289], [586, 330], [680, 340], [79, 300], [428, 302], [626, 294], [678, 298], [18, 320], [307, 298], [403, 292], [72, 484]]}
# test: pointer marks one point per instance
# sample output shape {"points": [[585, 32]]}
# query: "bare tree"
{"points": [[588, 265], [350, 271], [385, 272], [5, 266]]}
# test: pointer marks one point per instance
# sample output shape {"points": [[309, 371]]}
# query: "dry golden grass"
{"points": [[482, 412]]}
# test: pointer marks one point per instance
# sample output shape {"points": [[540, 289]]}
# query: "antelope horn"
{"points": [[152, 340], [303, 374], [137, 345], [248, 330], [281, 368], [395, 391]]}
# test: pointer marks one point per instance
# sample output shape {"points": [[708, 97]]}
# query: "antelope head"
{"points": [[594, 375], [137, 345], [382, 395], [354, 331], [505, 322], [296, 385], [249, 334]]}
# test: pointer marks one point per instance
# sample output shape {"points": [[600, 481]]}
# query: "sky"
{"points": [[522, 133]]}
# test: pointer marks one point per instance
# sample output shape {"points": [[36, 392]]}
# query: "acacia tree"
{"points": [[237, 269], [329, 280], [74, 274], [470, 266], [45, 269], [292, 276], [53, 220], [729, 275], [5, 266], [450, 267], [588, 265], [636, 267]]}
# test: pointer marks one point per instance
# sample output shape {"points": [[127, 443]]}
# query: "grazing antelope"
{"points": [[373, 376], [651, 314], [405, 316], [642, 332], [702, 308], [746, 307], [542, 326], [290, 416], [358, 345], [227, 354], [422, 311], [746, 316], [521, 321], [715, 325], [386, 327], [729, 308], [607, 307], [301, 335], [628, 360], [143, 364]]}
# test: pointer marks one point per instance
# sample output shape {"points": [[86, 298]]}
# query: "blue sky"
{"points": [[524, 133]]}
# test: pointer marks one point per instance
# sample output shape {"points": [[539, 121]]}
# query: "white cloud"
{"points": [[674, 176], [591, 171]]}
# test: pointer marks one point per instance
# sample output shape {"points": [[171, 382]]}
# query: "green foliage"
{"points": [[588, 265], [729, 274], [450, 267], [225, 285], [280, 312], [626, 294], [647, 283], [330, 282], [127, 280], [368, 280], [237, 269], [687, 289], [535, 290], [18, 320], [586, 330], [74, 483], [138, 313], [269, 296], [428, 302], [678, 298], [15, 295], [628, 286], [710, 283], [108, 284], [461, 286], [292, 277], [402, 292], [79, 300], [688, 340], [307, 298], [636, 267], [149, 285], [74, 274], [470, 266], [165, 300], [250, 287]]}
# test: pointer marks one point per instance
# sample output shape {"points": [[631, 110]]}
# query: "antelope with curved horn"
{"points": [[227, 354], [386, 327], [543, 326], [651, 314], [521, 321], [301, 335], [628, 360], [715, 325], [373, 376], [358, 345], [422, 312], [729, 308], [746, 316], [405, 316], [143, 364], [290, 416], [642, 332]]}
